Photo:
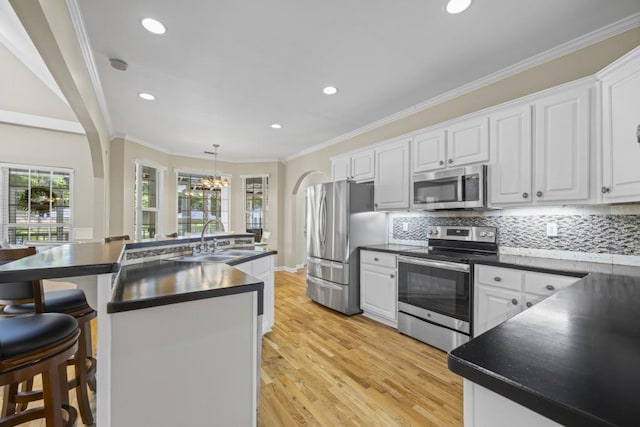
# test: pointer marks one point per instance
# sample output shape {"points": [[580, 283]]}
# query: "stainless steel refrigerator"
{"points": [[339, 218]]}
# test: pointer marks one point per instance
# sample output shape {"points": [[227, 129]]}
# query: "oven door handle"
{"points": [[436, 264], [460, 188]]}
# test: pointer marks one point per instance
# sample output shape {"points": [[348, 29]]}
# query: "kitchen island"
{"points": [[570, 359], [178, 342]]}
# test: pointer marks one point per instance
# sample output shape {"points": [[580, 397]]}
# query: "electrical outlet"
{"points": [[405, 226], [552, 229]]}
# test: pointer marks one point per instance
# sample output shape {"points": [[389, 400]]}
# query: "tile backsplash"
{"points": [[608, 230]]}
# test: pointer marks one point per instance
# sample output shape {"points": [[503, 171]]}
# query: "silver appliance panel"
{"points": [[329, 294], [328, 270], [445, 265], [437, 336], [463, 233], [461, 176], [431, 316]]}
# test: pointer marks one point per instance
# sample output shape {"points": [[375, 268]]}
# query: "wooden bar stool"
{"points": [[19, 300], [39, 344]]}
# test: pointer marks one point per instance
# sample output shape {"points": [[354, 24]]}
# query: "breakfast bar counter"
{"points": [[171, 334]]}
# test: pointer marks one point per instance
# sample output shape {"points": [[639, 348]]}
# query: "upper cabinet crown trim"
{"points": [[620, 64]]}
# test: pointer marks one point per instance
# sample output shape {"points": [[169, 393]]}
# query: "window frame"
{"points": [[201, 174], [5, 225], [265, 204], [140, 164]]}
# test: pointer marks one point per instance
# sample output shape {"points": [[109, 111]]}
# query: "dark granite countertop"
{"points": [[165, 282], [157, 283], [572, 358]]}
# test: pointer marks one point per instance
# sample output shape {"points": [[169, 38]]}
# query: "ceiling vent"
{"points": [[118, 64]]}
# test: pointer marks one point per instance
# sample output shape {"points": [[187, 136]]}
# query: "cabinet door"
{"points": [[511, 157], [494, 306], [468, 142], [429, 151], [391, 184], [378, 292], [621, 134], [362, 166], [562, 147], [341, 168]]}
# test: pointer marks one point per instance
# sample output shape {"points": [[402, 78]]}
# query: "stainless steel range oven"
{"points": [[434, 287]]}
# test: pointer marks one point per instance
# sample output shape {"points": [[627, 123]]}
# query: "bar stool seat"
{"points": [[65, 301], [19, 299], [39, 344]]}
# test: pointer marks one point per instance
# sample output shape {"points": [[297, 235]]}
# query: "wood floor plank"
{"points": [[337, 370]]}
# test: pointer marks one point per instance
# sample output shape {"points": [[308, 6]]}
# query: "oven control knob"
{"points": [[491, 234], [483, 234], [435, 231]]}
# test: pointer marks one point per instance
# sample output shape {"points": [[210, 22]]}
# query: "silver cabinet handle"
{"points": [[497, 279], [376, 259], [525, 195], [450, 161], [529, 304], [638, 134], [514, 301], [605, 190], [375, 205], [550, 287], [441, 162], [392, 276], [539, 194]]}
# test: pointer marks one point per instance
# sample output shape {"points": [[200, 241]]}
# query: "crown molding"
{"points": [[42, 122], [571, 46], [89, 60]]}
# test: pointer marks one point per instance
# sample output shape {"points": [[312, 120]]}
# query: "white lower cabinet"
{"points": [[378, 287], [262, 268], [501, 293]]}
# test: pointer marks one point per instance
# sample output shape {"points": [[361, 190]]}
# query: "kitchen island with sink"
{"points": [[178, 341]]}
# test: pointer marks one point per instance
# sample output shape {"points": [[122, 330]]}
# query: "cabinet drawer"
{"points": [[378, 258], [546, 284], [501, 277]]}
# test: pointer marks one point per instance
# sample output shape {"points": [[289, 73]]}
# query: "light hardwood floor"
{"points": [[321, 368]]}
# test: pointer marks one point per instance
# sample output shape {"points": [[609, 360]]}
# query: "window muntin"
{"points": [[147, 201]]}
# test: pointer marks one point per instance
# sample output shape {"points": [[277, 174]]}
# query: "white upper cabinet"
{"points": [[621, 130], [510, 167], [429, 151], [540, 152], [362, 166], [340, 168], [562, 146], [460, 144], [357, 166], [391, 184], [468, 142]]}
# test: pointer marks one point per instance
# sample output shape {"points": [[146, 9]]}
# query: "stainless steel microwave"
{"points": [[460, 188]]}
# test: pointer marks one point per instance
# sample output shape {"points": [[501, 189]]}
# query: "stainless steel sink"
{"points": [[221, 256]]}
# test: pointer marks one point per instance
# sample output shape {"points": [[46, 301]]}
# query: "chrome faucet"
{"points": [[220, 227]]}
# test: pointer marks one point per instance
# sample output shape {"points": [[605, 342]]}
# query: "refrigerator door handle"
{"points": [[323, 222]]}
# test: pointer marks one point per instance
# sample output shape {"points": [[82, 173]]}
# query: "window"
{"points": [[198, 203], [36, 203], [147, 201], [255, 193]]}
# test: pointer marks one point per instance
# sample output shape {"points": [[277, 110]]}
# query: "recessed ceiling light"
{"points": [[330, 90], [457, 6], [146, 96], [276, 126], [154, 26]]}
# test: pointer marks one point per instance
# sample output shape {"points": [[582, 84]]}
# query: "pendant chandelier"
{"points": [[215, 180]]}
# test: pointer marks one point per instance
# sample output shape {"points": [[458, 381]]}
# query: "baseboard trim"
{"points": [[288, 269]]}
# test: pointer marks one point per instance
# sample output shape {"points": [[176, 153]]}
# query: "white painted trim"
{"points": [[151, 163], [135, 140], [285, 269], [622, 62], [256, 175], [70, 171], [42, 122], [89, 60], [549, 55]]}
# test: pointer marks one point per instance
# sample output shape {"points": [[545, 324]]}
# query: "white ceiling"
{"points": [[227, 69]]}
